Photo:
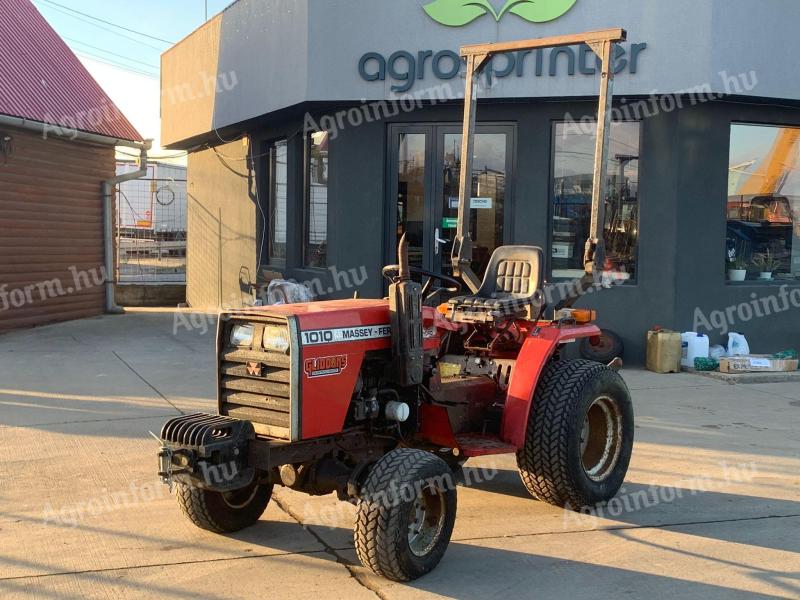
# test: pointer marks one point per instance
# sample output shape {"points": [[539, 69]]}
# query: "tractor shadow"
{"points": [[153, 567], [478, 569], [470, 572], [654, 506], [511, 556]]}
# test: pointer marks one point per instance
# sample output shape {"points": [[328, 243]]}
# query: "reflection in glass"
{"points": [[315, 251], [488, 197], [572, 200], [411, 194], [277, 200], [763, 209]]}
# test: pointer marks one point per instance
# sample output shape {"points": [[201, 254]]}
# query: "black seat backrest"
{"points": [[513, 272]]}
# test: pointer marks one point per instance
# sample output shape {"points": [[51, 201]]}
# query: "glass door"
{"points": [[424, 170], [410, 194], [491, 186]]}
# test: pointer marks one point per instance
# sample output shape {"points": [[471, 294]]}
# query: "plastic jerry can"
{"points": [[694, 345], [663, 351], [737, 345]]}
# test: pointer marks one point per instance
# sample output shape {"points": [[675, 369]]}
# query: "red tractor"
{"points": [[382, 401]]}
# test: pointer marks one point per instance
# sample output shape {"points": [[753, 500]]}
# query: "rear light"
{"points": [[583, 316], [443, 309], [580, 316]]}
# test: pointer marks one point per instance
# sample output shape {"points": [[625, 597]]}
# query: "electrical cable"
{"points": [[109, 62], [180, 154], [223, 161], [135, 213], [72, 10], [127, 37], [224, 141], [141, 62], [261, 210]]}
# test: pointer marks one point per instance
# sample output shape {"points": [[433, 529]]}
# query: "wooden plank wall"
{"points": [[51, 229]]}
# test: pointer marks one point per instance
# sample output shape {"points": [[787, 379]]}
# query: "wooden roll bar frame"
{"points": [[602, 43]]}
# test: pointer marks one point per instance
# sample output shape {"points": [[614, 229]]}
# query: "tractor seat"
{"points": [[511, 288]]}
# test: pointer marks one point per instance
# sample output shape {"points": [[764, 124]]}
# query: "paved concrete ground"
{"points": [[711, 508]]}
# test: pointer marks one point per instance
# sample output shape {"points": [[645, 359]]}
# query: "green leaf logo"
{"points": [[538, 11], [457, 13]]}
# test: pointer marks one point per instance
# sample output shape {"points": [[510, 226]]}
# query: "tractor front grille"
{"points": [[256, 384]]}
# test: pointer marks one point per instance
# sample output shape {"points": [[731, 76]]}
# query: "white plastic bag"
{"points": [[737, 345], [717, 352], [281, 291]]}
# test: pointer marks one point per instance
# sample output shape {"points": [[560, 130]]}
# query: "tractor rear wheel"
{"points": [[579, 438], [405, 514], [606, 347], [224, 512]]}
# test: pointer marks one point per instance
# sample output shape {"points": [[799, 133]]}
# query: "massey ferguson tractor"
{"points": [[382, 401]]}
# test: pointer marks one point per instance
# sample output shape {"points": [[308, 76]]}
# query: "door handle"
{"points": [[437, 241]]}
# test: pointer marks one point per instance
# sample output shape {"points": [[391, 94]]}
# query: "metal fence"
{"points": [[151, 225]]}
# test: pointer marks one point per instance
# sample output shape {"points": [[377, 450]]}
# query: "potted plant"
{"points": [[737, 265], [737, 270], [767, 265]]}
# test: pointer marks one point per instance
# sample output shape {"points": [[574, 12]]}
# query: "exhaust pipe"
{"points": [[402, 258], [405, 312]]}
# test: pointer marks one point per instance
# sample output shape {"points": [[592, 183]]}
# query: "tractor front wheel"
{"points": [[579, 438], [405, 515], [224, 512]]}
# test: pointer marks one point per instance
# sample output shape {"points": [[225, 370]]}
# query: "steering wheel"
{"points": [[391, 272]]}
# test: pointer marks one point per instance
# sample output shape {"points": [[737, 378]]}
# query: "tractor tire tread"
{"points": [[198, 506], [377, 532], [542, 460], [193, 504]]}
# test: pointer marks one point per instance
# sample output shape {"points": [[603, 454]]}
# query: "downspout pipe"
{"points": [[108, 223]]}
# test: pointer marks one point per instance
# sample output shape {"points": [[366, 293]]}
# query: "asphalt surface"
{"points": [[711, 507]]}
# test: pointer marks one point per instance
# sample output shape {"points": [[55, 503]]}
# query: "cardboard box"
{"points": [[756, 364]]}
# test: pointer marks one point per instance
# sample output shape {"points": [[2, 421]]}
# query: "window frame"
{"points": [[633, 282]]}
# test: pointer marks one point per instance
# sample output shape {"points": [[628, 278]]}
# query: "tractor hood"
{"points": [[337, 321], [328, 315], [333, 321]]}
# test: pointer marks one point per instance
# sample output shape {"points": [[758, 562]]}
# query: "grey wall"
{"points": [[702, 150], [286, 52]]}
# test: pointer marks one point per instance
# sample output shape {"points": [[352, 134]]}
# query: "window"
{"points": [[276, 217], [315, 246], [763, 209], [572, 200], [489, 174]]}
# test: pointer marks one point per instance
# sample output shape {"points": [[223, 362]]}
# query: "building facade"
{"points": [[321, 130]]}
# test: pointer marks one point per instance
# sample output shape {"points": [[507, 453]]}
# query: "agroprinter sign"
{"points": [[405, 67]]}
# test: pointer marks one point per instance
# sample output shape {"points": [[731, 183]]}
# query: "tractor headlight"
{"points": [[276, 339], [242, 335]]}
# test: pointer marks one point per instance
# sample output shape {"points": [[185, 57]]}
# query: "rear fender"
{"points": [[536, 352]]}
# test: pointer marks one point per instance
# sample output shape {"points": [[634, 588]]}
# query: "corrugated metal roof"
{"points": [[42, 80]]}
